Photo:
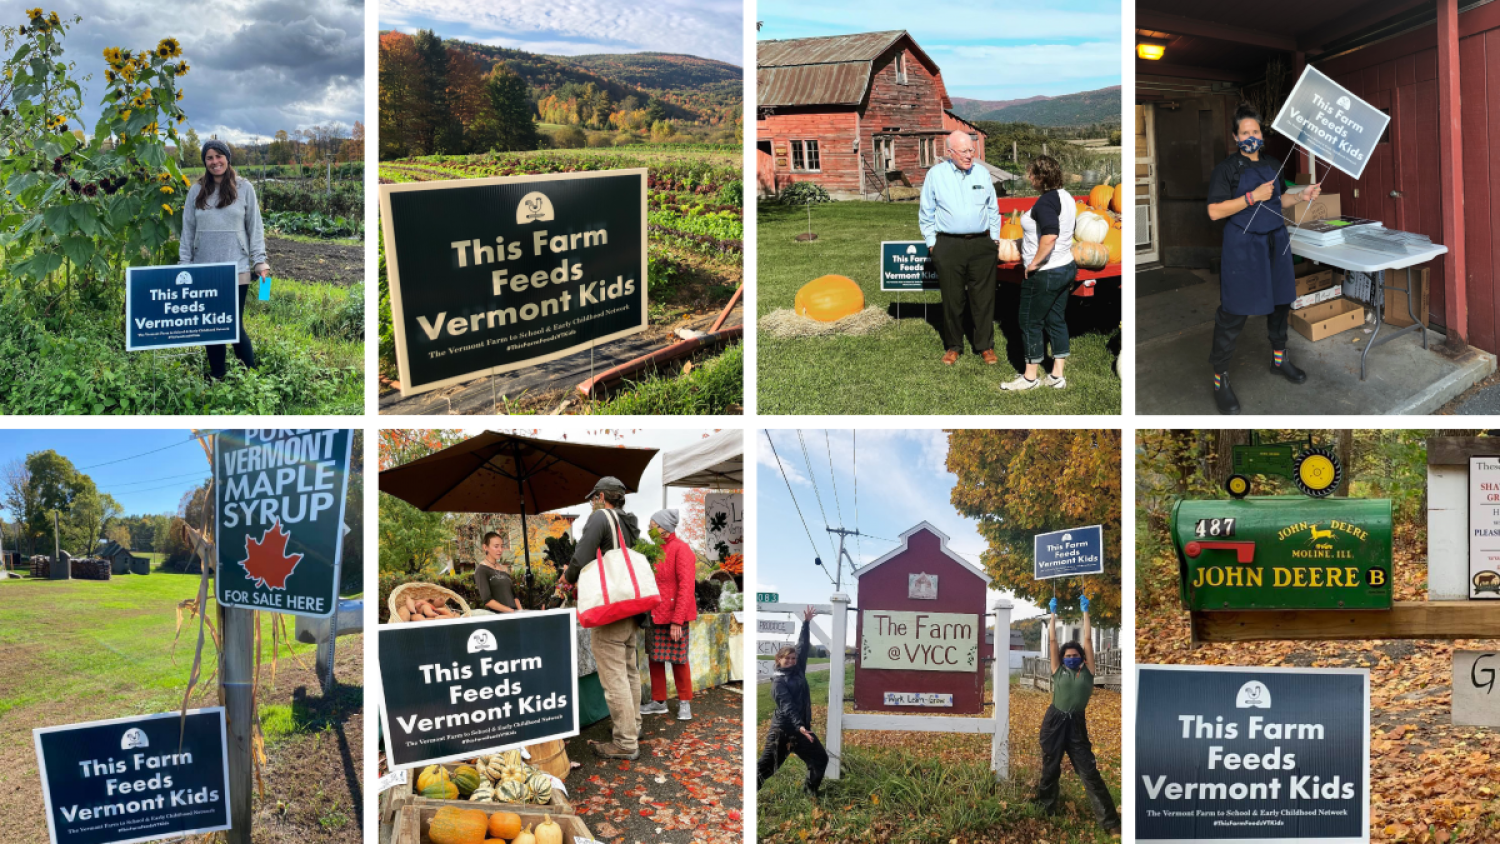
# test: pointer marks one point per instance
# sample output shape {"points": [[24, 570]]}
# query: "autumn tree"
{"points": [[508, 125], [354, 148], [410, 539], [1017, 484], [402, 95]]}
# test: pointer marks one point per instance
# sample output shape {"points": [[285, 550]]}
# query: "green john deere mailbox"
{"points": [[1284, 553]]}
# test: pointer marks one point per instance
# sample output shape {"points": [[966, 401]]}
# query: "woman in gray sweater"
{"points": [[221, 224]]}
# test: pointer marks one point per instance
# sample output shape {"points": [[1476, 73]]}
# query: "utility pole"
{"points": [[59, 570], [842, 555]]}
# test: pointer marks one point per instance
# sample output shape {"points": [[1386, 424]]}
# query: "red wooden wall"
{"points": [[1401, 75], [916, 108], [959, 591], [834, 131]]}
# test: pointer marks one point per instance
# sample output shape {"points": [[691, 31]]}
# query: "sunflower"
{"points": [[167, 189], [167, 208], [179, 96], [53, 19], [125, 115], [182, 69], [169, 48], [34, 14]]}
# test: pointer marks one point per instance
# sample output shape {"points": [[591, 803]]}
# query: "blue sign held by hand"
{"points": [[1067, 553]]}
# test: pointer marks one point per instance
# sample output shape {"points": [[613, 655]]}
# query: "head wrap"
{"points": [[217, 144], [666, 520]]}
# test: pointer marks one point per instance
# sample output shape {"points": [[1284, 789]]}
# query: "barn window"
{"points": [[927, 151], [901, 68], [805, 157]]}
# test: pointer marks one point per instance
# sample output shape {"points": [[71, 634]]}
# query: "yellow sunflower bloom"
{"points": [[125, 115], [167, 208], [182, 69], [169, 48], [34, 14], [53, 19], [167, 189], [187, 181]]}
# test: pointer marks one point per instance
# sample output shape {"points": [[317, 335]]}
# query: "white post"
{"points": [[839, 606], [1000, 741]]}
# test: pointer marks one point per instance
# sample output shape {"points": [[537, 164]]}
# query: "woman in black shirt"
{"points": [[492, 577]]}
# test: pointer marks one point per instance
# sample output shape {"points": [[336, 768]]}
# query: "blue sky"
{"points": [[987, 50], [711, 29], [256, 66], [151, 483], [902, 481]]}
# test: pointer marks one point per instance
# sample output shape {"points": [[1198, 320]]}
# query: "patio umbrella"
{"points": [[506, 473]]}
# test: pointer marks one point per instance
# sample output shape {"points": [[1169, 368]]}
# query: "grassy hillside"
{"points": [[1101, 106]]}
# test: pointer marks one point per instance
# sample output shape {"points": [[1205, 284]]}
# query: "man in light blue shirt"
{"points": [[961, 224]]}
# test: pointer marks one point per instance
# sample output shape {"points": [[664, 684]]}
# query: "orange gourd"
{"points": [[1117, 201], [1011, 228], [1112, 243], [1079, 207], [1100, 196], [457, 826], [1090, 256], [505, 825], [829, 298]]}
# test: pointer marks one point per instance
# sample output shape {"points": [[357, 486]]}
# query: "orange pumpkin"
{"points": [[1112, 243], [1079, 206], [1011, 228], [504, 825], [1117, 201], [1090, 256], [1099, 197], [828, 298]]}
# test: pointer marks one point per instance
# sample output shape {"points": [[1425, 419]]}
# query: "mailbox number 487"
{"points": [[1214, 527]]}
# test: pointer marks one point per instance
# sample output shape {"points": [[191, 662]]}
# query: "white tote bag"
{"points": [[618, 584]]}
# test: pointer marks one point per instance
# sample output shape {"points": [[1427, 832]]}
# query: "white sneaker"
{"points": [[1056, 382], [684, 710], [1021, 384], [655, 707]]}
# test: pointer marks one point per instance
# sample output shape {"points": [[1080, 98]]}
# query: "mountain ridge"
{"points": [[1101, 105]]}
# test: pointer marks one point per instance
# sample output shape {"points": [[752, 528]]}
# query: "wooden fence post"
{"points": [[1000, 741], [236, 683], [839, 607]]}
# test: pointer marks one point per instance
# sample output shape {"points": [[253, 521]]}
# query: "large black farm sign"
{"points": [[490, 275], [135, 779]]}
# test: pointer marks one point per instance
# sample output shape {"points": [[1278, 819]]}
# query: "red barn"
{"points": [[918, 584], [851, 112]]}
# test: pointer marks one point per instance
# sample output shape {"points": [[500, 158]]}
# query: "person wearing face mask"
{"points": [[676, 579], [1065, 728], [1256, 267]]}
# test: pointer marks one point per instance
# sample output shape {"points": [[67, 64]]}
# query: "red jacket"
{"points": [[676, 577]]}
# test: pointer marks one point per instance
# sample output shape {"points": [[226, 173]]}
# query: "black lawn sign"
{"points": [[491, 275], [904, 265], [181, 305], [280, 528], [135, 779], [1329, 121], [457, 688], [1252, 754]]}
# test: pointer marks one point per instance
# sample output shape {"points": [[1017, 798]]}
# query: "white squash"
{"points": [[1090, 227], [1010, 252]]}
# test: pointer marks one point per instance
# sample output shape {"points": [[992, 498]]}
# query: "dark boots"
{"points": [[1281, 366], [1224, 395]]}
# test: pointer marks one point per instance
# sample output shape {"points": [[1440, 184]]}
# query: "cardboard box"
{"points": [[1321, 278], [1327, 319], [1315, 297], [1395, 300], [1325, 207]]}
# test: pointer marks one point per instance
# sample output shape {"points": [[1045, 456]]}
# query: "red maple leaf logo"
{"points": [[266, 561]]}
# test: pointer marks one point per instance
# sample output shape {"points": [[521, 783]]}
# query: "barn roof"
{"points": [[833, 70], [906, 543]]}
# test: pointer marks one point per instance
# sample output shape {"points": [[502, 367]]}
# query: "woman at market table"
{"points": [[1047, 254], [791, 723], [1065, 726], [676, 581], [1256, 265], [492, 577]]}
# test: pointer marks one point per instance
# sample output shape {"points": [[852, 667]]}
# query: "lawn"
{"points": [[897, 370]]}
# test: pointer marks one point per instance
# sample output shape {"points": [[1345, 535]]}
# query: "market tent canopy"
{"points": [[505, 473], [714, 461]]}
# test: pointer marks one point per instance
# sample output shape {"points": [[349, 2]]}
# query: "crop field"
{"points": [[695, 229], [81, 208]]}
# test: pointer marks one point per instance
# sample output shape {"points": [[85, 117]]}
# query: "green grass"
{"points": [[710, 388], [897, 369], [108, 641]]}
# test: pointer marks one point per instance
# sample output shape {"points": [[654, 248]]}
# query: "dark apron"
{"points": [[1256, 271]]}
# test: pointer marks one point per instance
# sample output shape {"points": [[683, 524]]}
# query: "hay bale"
{"points": [[901, 193], [784, 324]]}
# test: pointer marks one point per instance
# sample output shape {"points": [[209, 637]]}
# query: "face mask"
{"points": [[655, 533], [1072, 662], [1250, 146]]}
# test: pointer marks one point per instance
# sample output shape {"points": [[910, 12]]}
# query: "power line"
{"points": [[813, 479], [793, 495], [858, 546], [833, 479], [198, 474], [142, 454]]}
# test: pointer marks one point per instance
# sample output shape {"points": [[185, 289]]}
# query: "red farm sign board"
{"points": [[921, 630]]}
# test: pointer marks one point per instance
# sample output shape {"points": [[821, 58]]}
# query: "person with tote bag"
{"points": [[614, 584]]}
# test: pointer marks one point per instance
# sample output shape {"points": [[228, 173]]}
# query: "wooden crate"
{"points": [[559, 804], [412, 819]]}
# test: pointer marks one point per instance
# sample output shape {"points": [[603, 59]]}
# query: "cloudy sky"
{"points": [[708, 28], [987, 51], [257, 65]]}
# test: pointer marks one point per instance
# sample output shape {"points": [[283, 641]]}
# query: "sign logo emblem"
{"points": [[184, 277], [535, 207], [1487, 581], [133, 738], [911, 250], [266, 561], [1344, 102], [482, 640], [1253, 695]]}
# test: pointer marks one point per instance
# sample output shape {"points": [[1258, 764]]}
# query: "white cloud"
{"points": [[709, 28], [767, 458]]}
